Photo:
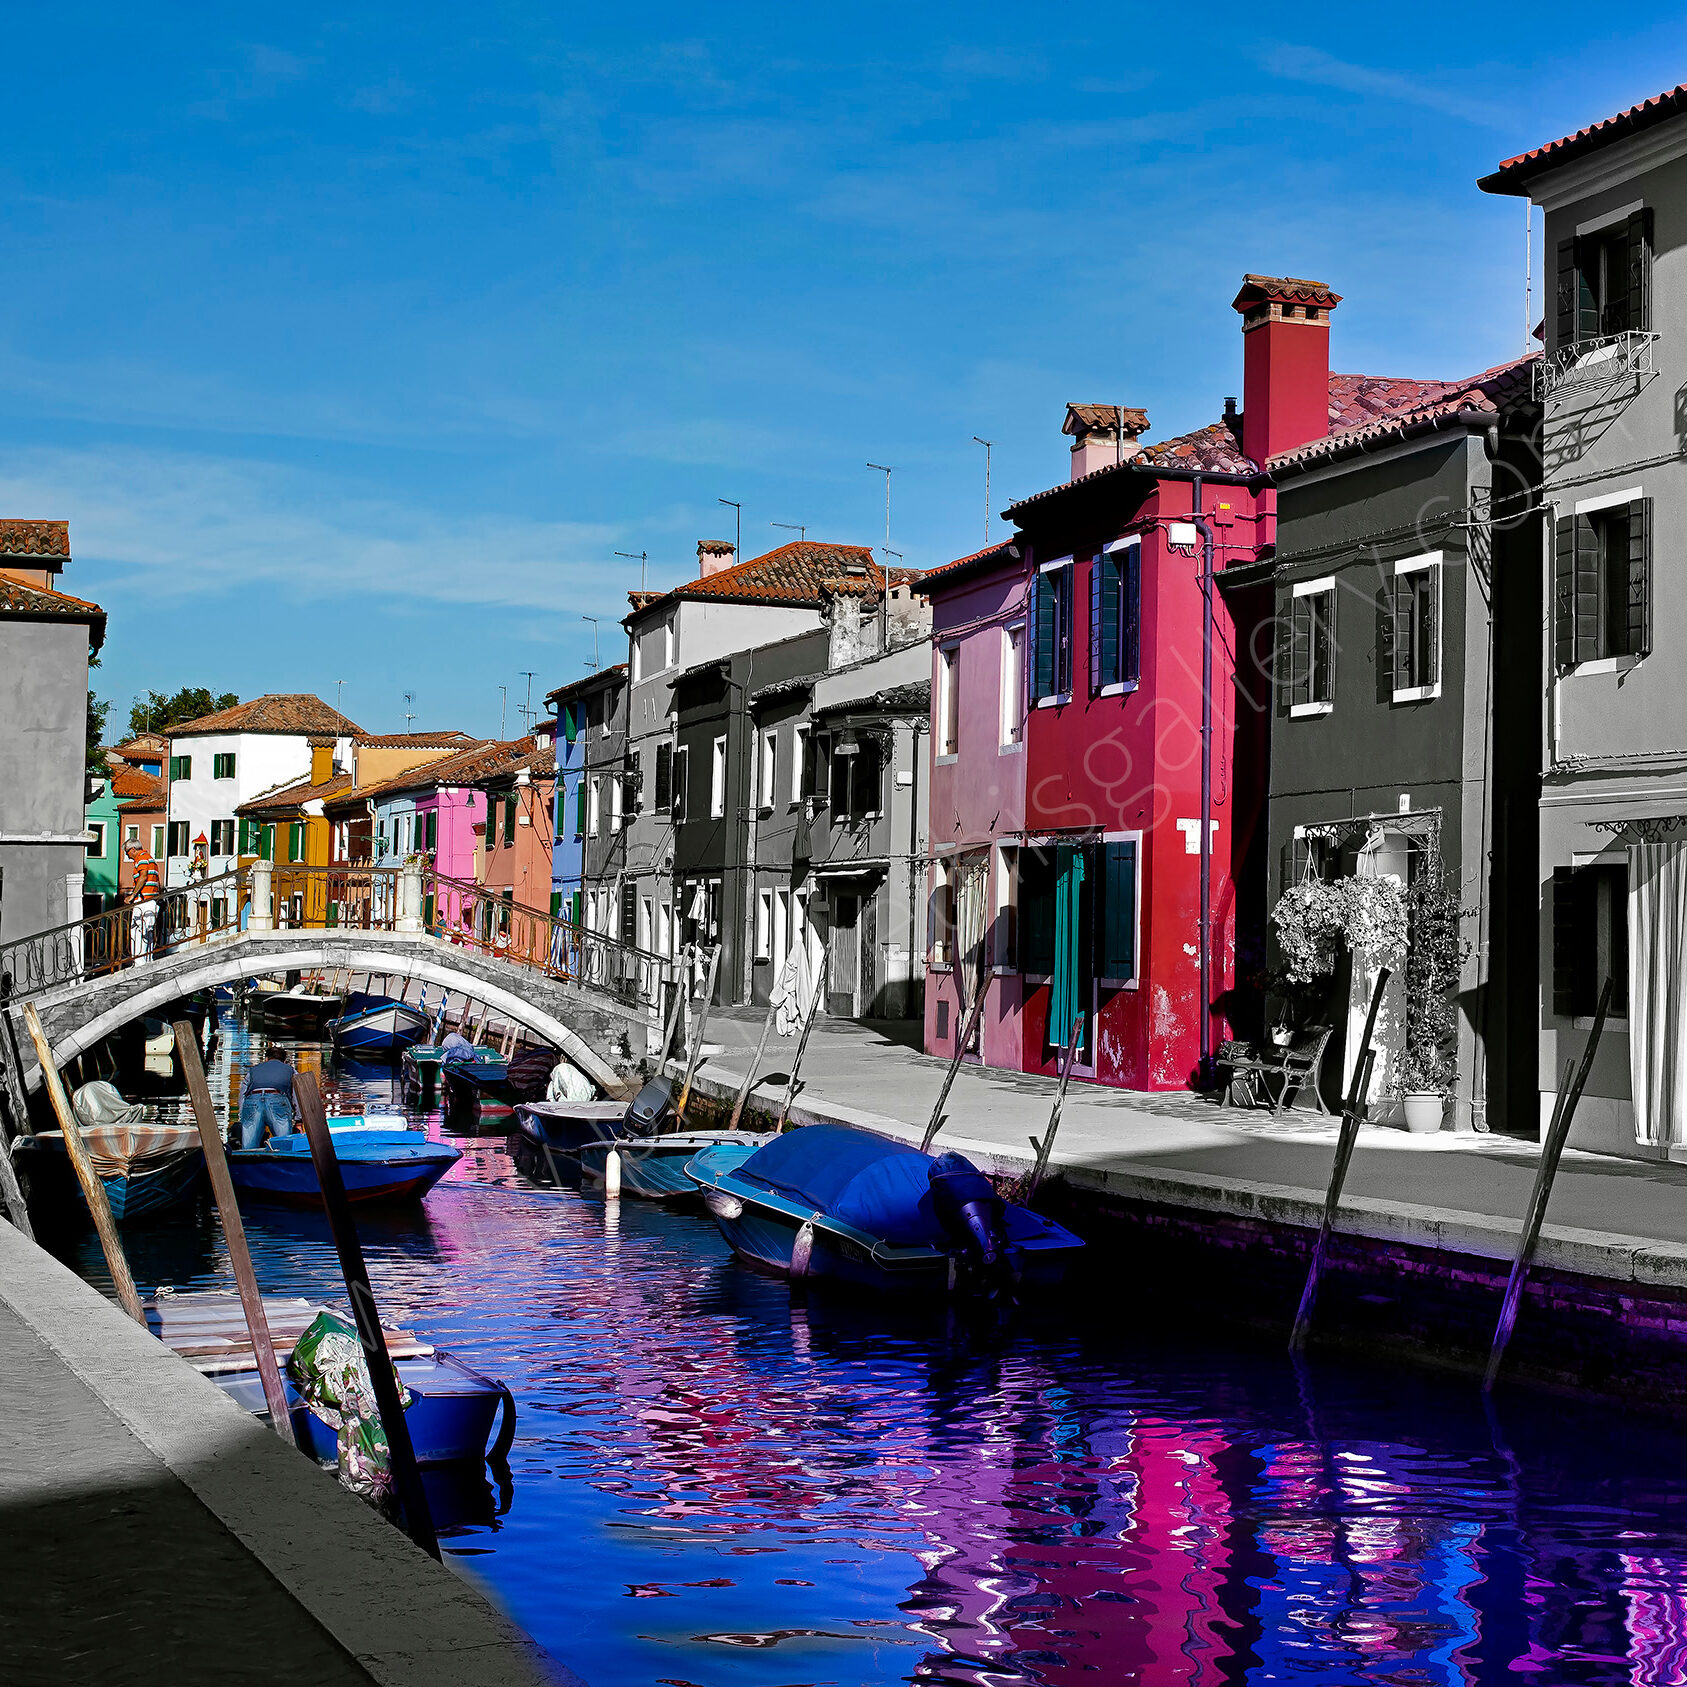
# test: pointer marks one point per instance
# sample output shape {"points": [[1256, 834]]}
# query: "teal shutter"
{"points": [[1064, 1005], [509, 818], [1130, 636], [1043, 664], [1118, 901], [1097, 667], [570, 722], [1111, 567]]}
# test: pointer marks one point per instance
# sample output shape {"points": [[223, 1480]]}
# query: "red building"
{"points": [[1115, 698]]}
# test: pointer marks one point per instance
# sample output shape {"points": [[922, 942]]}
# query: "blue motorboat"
{"points": [[382, 1025], [146, 1171], [380, 1160], [832, 1202], [453, 1408]]}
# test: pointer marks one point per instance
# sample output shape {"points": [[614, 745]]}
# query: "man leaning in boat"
{"points": [[266, 1104]]}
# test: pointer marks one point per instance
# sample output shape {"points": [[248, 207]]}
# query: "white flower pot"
{"points": [[1423, 1112]]}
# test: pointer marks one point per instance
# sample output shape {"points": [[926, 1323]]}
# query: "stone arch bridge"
{"points": [[591, 998]]}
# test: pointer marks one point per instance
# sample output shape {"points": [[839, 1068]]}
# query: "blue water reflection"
{"points": [[714, 1485]]}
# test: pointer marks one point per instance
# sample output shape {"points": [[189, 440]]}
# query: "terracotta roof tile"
{"points": [[19, 602], [1514, 174], [135, 782], [416, 740], [794, 574], [1080, 417], [487, 758], [612, 674], [36, 539], [296, 795], [293, 713], [944, 576]]}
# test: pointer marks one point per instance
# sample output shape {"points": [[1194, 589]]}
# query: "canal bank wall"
{"points": [[1604, 1315], [158, 1532]]}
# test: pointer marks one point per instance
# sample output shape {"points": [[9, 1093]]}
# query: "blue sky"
{"points": [[355, 344]]}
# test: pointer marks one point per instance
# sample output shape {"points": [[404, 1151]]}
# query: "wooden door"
{"points": [[845, 968]]}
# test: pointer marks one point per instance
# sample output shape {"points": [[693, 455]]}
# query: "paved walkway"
{"points": [[1134, 1141]]}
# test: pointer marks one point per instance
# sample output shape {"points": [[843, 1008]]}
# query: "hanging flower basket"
{"points": [[1318, 918]]}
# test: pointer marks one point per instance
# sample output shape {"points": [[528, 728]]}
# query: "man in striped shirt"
{"points": [[148, 887]]}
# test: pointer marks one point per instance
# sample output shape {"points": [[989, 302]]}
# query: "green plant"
{"points": [[1318, 917], [1428, 1062]]}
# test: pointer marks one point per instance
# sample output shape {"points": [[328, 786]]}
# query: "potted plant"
{"points": [[1428, 1070]]}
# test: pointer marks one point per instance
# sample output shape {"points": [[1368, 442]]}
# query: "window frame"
{"points": [[767, 768], [942, 912], [717, 777], [1004, 924], [802, 738], [1303, 592], [219, 834], [223, 765], [181, 770], [1011, 711], [681, 784], [763, 933], [96, 844], [948, 712], [1103, 978], [1430, 564], [594, 805], [1127, 632], [1063, 568]]}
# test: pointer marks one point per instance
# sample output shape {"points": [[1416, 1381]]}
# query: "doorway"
{"points": [[843, 982]]}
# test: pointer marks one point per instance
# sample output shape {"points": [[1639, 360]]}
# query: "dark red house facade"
{"points": [[1104, 890]]}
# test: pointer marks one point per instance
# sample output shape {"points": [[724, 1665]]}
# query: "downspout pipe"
{"points": [[1204, 528]]}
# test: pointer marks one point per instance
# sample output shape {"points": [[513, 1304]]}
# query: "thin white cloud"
{"points": [[180, 525], [1312, 65]]}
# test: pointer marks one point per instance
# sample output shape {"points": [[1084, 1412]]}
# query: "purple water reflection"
{"points": [[713, 1485]]}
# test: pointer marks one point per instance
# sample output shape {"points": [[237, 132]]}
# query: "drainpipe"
{"points": [[1204, 528]]}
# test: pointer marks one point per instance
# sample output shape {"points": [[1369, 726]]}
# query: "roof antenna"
{"points": [[409, 713], [986, 443], [792, 527], [641, 558], [1528, 273]]}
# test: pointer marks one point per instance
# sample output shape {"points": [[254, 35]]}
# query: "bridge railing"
{"points": [[132, 934], [486, 921]]}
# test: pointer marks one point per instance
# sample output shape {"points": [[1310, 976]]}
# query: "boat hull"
{"points": [[387, 1172], [652, 1168], [133, 1196], [386, 1029], [451, 1415]]}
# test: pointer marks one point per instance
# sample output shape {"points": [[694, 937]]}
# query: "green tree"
{"points": [[157, 713], [94, 756]]}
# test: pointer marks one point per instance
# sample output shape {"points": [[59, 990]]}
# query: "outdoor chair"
{"points": [[1256, 1070]]}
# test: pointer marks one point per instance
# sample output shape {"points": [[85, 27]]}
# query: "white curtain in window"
{"points": [[969, 921], [1657, 963]]}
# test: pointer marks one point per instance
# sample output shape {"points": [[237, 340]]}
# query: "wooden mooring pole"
{"points": [[749, 1082], [697, 1041], [93, 1190], [1552, 1149], [407, 1475], [792, 1084], [1352, 1116], [1040, 1166], [935, 1124], [12, 1101], [234, 1232]]}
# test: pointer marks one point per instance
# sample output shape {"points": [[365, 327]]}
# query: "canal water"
{"points": [[713, 1484]]}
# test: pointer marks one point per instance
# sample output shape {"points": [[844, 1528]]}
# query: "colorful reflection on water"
{"points": [[713, 1485]]}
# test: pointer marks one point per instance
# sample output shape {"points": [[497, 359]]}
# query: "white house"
{"points": [[223, 760]]}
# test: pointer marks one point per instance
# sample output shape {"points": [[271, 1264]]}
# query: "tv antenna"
{"points": [[791, 527], [737, 543], [409, 712], [887, 473], [594, 619], [503, 699], [642, 558], [987, 444], [339, 687]]}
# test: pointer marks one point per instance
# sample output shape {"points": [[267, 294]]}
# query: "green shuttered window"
{"points": [[1118, 910], [1602, 584]]}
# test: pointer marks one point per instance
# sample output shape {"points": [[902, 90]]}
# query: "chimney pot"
{"points": [[1285, 363], [713, 555], [1102, 435]]}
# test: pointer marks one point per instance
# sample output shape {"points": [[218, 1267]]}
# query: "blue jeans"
{"points": [[264, 1113]]}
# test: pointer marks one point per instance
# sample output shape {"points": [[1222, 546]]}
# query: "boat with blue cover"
{"points": [[455, 1413], [833, 1202], [381, 1159]]}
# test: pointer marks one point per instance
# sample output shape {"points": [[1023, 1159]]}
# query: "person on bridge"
{"points": [[266, 1104], [146, 887]]}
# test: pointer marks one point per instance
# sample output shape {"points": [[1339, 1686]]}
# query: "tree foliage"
{"points": [[1429, 1059], [157, 713]]}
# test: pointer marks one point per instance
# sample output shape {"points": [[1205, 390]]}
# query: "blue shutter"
{"points": [[1100, 567], [1130, 635], [1111, 566], [1042, 683], [1118, 887]]}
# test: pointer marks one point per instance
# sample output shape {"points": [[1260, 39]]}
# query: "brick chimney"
{"points": [[1285, 362], [1095, 430], [713, 555]]}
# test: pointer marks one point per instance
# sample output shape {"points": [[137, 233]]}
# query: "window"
{"points": [[1417, 628], [1116, 962], [664, 797], [682, 779], [629, 914], [222, 837], [717, 779], [764, 924], [1004, 946], [1053, 677], [222, 766], [1605, 281], [157, 843], [1602, 581], [433, 830], [1013, 685], [380, 839], [580, 809], [942, 935], [857, 778], [181, 767], [250, 831], [266, 846], [178, 837], [131, 834], [1312, 648], [617, 801], [799, 762], [781, 927], [1116, 617], [635, 782], [509, 817], [645, 916], [296, 840], [96, 840], [593, 806], [670, 640], [948, 699], [818, 772], [1589, 938], [769, 767], [1036, 911]]}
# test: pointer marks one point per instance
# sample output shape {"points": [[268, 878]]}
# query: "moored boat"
{"points": [[298, 1012], [832, 1202], [452, 1410], [381, 1026], [380, 1160]]}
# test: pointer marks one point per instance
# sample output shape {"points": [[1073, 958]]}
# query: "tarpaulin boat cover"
{"points": [[878, 1186], [100, 1103]]}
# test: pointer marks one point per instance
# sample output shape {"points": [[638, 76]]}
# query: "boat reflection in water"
{"points": [[716, 1482]]}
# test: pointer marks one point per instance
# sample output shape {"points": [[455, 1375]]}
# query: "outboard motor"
{"points": [[971, 1213], [652, 1109]]}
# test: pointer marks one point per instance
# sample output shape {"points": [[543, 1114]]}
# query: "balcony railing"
{"points": [[1591, 365]]}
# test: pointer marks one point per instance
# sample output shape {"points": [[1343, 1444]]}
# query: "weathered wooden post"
{"points": [[92, 1189], [407, 1476], [1552, 1149], [1040, 1165], [791, 1083], [1352, 1116], [697, 1041], [234, 1232], [749, 1082], [961, 1044]]}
